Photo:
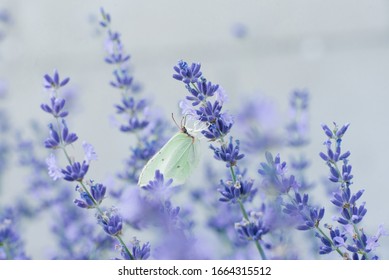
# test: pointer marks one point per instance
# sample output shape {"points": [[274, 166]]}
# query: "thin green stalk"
{"points": [[259, 247], [245, 215], [319, 229], [329, 239], [95, 204]]}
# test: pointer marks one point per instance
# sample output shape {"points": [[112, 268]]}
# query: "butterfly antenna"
{"points": [[176, 122]]}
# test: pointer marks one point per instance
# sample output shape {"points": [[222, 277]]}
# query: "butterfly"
{"points": [[176, 159]]}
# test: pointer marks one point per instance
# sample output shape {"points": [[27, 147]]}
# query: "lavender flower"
{"points": [[347, 238], [11, 246], [338, 239], [138, 252], [208, 109], [187, 74], [297, 135], [75, 171], [89, 151], [228, 153], [252, 229], [256, 121], [350, 213], [110, 220], [241, 190], [134, 110], [92, 198], [55, 108], [123, 80], [305, 215], [275, 177], [54, 82], [159, 184], [77, 235], [53, 170]]}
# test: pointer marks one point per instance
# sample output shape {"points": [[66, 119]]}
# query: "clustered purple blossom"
{"points": [[274, 174], [252, 229], [298, 125], [137, 251], [198, 101], [59, 138], [123, 79], [174, 223], [149, 133], [351, 213], [283, 192], [96, 191], [345, 239], [238, 191], [204, 103], [11, 246], [297, 135], [276, 182], [72, 231], [134, 110]]}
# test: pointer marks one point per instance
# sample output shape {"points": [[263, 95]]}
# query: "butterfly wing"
{"points": [[183, 158], [176, 160], [158, 161]]}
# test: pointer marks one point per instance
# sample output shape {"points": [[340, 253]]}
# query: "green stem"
{"points": [[329, 239], [360, 239], [233, 175], [63, 147], [125, 247], [349, 210], [96, 205], [319, 229], [259, 247], [243, 210]]}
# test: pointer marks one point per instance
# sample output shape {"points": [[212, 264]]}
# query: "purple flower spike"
{"points": [[342, 131], [241, 190], [218, 129], [53, 141], [187, 74], [123, 79], [253, 229], [207, 88], [210, 112], [85, 202], [75, 171], [228, 153], [98, 192], [158, 184], [55, 107], [54, 82], [111, 222], [327, 131], [138, 252], [106, 18], [68, 138]]}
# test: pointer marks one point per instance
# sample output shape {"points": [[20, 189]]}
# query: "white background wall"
{"points": [[338, 50]]}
